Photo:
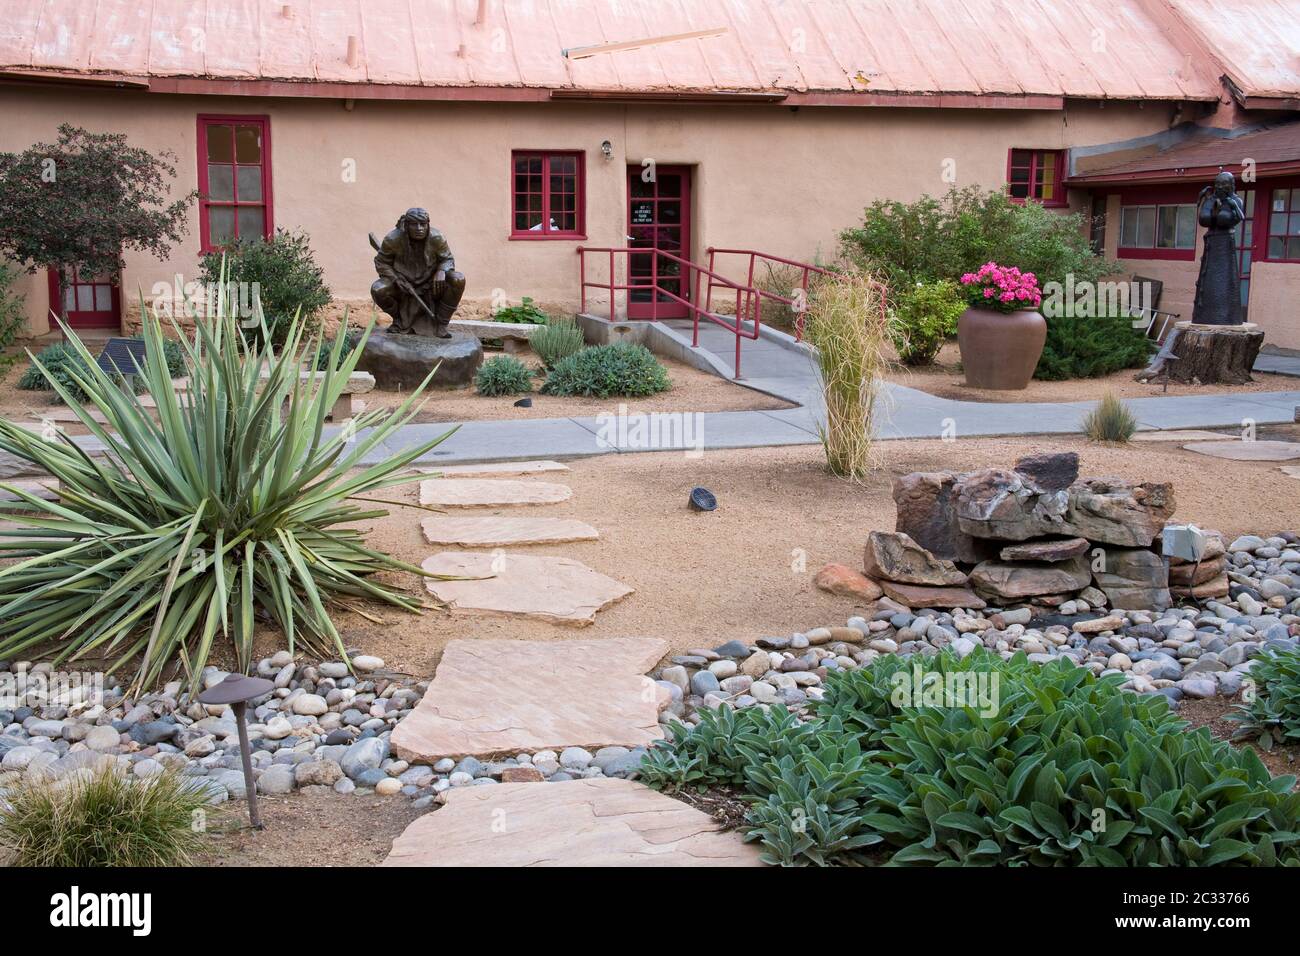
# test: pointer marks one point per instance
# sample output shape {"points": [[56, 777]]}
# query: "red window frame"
{"points": [[1155, 196], [206, 120], [1034, 165], [1264, 228], [580, 195]]}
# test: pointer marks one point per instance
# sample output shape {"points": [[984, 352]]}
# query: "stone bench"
{"points": [[358, 384], [511, 334]]}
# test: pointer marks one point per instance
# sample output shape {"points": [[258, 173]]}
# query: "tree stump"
{"points": [[1214, 354]]}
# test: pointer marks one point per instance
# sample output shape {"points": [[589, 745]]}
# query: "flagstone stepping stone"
{"points": [[1180, 434], [599, 822], [559, 590], [1248, 450], [497, 696], [500, 531], [492, 492], [1291, 471], [498, 468]]}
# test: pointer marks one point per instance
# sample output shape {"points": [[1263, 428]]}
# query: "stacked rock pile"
{"points": [[1034, 535]]}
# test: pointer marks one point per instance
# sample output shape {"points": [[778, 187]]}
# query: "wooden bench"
{"points": [[511, 334], [358, 384]]}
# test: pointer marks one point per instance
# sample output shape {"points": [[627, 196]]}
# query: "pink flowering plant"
{"points": [[1001, 288]]}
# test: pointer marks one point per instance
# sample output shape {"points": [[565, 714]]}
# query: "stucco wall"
{"points": [[1275, 302], [766, 177]]}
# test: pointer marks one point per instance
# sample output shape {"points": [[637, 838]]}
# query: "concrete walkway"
{"points": [[776, 365]]}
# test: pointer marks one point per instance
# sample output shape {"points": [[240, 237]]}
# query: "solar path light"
{"points": [[237, 690]]}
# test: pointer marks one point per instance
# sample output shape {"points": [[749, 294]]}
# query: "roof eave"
{"points": [[1178, 174]]}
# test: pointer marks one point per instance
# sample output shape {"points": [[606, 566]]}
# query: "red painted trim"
{"points": [[1264, 217], [1062, 198], [1178, 255], [1198, 173], [580, 196], [202, 122], [79, 319]]}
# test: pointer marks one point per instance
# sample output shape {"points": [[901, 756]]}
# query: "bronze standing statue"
{"points": [[418, 284], [1218, 287]]}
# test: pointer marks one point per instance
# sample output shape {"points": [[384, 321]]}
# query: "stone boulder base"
{"points": [[559, 590], [894, 556], [500, 697], [1050, 549], [842, 580], [603, 822], [1134, 579], [921, 595], [401, 362], [490, 492], [1051, 471], [498, 531], [926, 514], [1004, 505], [1017, 580]]}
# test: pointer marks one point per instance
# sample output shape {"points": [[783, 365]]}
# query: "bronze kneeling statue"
{"points": [[418, 284]]}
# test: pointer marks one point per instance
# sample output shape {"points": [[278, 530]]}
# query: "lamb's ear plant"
{"points": [[236, 503]]}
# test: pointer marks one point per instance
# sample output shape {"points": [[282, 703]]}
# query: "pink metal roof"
{"points": [[958, 47], [1257, 43]]}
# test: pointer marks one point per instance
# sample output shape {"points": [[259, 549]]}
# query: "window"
{"points": [[1284, 225], [234, 179], [1160, 228], [547, 196], [1036, 174]]}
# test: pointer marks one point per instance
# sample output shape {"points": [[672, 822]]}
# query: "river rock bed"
{"points": [[322, 728], [1193, 651]]}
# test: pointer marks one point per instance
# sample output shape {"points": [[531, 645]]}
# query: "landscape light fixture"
{"points": [[607, 148], [237, 690]]}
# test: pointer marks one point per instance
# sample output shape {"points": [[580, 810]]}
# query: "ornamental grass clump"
{"points": [[556, 341], [848, 325], [225, 504], [1110, 421], [103, 819]]}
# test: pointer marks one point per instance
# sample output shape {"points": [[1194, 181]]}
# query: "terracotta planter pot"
{"points": [[999, 350]]}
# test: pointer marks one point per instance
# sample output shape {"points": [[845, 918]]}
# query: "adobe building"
{"points": [[526, 127]]}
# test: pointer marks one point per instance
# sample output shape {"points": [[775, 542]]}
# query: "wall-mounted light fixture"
{"points": [[607, 148]]}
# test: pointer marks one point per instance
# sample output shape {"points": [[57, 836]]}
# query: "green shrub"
{"points": [[503, 375], [1041, 766], [1110, 421], [526, 313], [232, 507], [942, 238], [619, 369], [63, 363], [1090, 348], [1273, 714], [925, 315], [288, 279], [328, 357], [13, 316], [106, 819], [557, 341]]}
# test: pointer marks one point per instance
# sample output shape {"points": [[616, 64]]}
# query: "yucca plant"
{"points": [[234, 503]]}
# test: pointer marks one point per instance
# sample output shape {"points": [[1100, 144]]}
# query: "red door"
{"points": [[659, 220], [87, 303]]}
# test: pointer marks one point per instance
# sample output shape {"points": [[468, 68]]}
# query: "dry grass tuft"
{"points": [[1110, 421], [849, 327]]}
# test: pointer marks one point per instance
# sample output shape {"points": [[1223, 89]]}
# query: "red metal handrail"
{"points": [[748, 299], [806, 269]]}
